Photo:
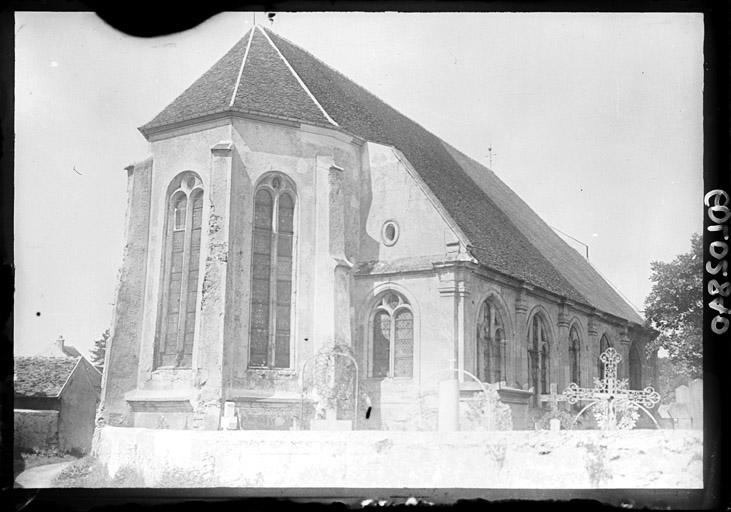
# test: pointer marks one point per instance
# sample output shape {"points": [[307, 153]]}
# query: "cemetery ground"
{"points": [[640, 458]]}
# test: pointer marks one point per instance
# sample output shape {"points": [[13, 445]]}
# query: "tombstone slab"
{"points": [[695, 403]]}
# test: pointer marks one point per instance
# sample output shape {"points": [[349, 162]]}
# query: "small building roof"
{"points": [[42, 376], [265, 74]]}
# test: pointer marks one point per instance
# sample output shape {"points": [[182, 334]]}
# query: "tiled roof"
{"points": [[265, 86], [42, 376], [577, 270], [504, 233]]}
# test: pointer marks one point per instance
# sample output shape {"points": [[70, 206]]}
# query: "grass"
{"points": [[89, 472], [595, 463], [26, 459], [177, 477], [85, 472]]}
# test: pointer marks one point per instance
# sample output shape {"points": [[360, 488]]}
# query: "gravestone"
{"points": [[229, 420], [695, 403], [448, 415], [664, 419], [679, 409], [682, 394]]}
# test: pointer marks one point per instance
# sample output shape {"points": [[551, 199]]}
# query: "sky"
{"points": [[594, 119]]}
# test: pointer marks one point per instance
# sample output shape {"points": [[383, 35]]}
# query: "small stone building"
{"points": [[55, 403], [284, 208]]}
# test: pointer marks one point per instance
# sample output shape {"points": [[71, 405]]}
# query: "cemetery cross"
{"points": [[610, 393]]}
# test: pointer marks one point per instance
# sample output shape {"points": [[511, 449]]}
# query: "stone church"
{"points": [[284, 208]]}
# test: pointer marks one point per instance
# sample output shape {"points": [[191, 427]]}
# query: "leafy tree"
{"points": [[675, 308], [669, 377], [100, 348]]}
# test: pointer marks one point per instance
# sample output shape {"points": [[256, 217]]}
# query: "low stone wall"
{"points": [[34, 429], [511, 459]]}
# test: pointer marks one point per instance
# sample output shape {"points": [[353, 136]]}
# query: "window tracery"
{"points": [[271, 271], [490, 343], [392, 342], [181, 262], [538, 356]]}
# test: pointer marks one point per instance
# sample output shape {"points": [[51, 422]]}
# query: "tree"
{"points": [[668, 380], [675, 308], [99, 350]]}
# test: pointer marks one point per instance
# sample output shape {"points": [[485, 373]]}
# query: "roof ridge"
{"points": [[296, 75], [358, 85], [346, 77], [241, 69]]}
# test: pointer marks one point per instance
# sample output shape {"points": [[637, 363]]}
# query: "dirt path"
{"points": [[40, 476]]}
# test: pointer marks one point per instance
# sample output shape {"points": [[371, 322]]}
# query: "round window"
{"points": [[389, 232]]}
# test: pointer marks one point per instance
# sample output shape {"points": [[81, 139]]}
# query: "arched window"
{"points": [[538, 356], [271, 273], [392, 343], [490, 343], [635, 366], [574, 356], [604, 344], [182, 243]]}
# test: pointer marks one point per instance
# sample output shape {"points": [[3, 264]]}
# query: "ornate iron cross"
{"points": [[611, 392]]}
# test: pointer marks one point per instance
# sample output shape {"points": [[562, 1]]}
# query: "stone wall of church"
{"points": [[391, 191], [311, 158], [230, 156], [185, 149], [122, 354], [517, 306], [344, 260], [396, 401]]}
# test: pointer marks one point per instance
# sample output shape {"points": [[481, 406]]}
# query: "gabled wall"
{"points": [[391, 190], [79, 400]]}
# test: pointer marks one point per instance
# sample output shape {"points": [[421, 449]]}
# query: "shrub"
{"points": [[333, 383], [180, 477], [127, 476], [595, 463], [85, 472], [29, 458], [487, 412]]}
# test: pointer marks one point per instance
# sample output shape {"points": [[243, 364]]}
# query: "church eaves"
{"points": [[277, 78]]}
